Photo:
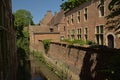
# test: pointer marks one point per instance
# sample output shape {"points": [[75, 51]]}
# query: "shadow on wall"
{"points": [[101, 63]]}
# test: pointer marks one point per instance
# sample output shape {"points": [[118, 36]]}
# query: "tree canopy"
{"points": [[70, 4], [114, 7], [113, 17], [22, 19]]}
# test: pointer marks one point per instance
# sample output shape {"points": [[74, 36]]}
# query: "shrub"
{"points": [[46, 44]]}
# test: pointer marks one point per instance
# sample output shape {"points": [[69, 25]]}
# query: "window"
{"points": [[101, 8], [62, 37], [58, 28], [73, 34], [99, 29], [86, 30], [78, 16], [51, 30], [99, 34], [86, 33], [79, 33], [64, 28], [85, 14], [68, 34], [72, 19], [68, 21]]}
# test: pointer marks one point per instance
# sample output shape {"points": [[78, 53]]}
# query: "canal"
{"points": [[40, 71]]}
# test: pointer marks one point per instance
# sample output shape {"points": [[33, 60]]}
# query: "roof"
{"points": [[41, 29], [57, 18]]}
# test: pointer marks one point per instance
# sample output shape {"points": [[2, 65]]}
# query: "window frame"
{"points": [[86, 14]]}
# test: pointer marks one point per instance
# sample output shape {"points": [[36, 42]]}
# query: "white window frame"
{"points": [[85, 13], [78, 15]]}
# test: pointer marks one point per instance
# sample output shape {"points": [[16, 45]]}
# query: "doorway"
{"points": [[110, 41]]}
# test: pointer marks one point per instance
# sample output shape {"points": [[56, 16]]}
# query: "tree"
{"points": [[22, 19], [113, 17], [70, 4], [114, 7]]}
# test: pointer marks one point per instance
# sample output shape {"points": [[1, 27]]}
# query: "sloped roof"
{"points": [[57, 18], [43, 28], [48, 16]]}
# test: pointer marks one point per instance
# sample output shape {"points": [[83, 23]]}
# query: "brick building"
{"points": [[43, 31], [88, 22], [58, 22], [8, 56]]}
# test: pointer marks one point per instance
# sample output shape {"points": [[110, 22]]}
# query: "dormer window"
{"points": [[78, 16], [72, 19], [68, 21], [85, 14], [101, 8]]}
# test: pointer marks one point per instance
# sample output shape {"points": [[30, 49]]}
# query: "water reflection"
{"points": [[37, 76]]}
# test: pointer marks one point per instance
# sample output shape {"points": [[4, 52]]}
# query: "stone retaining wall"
{"points": [[80, 63]]}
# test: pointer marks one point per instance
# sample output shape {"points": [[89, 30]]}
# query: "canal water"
{"points": [[38, 76]]}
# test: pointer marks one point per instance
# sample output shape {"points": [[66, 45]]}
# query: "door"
{"points": [[110, 41]]}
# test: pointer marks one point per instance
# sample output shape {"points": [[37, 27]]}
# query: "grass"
{"points": [[80, 42]]}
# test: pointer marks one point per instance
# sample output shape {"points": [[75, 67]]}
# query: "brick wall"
{"points": [[94, 19], [80, 63]]}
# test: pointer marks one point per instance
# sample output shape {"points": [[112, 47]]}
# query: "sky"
{"points": [[37, 8]]}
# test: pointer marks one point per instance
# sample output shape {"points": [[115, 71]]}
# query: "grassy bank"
{"points": [[39, 64]]}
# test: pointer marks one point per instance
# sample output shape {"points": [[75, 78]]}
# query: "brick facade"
{"points": [[78, 62], [86, 29], [86, 22], [43, 31]]}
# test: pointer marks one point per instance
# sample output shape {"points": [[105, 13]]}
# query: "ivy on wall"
{"points": [[46, 44]]}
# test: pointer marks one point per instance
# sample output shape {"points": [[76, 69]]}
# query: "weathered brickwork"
{"points": [[8, 50], [95, 21], [80, 63], [86, 22]]}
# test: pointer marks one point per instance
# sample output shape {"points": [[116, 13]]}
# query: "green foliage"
{"points": [[70, 4], [112, 70], [114, 8], [23, 72], [22, 19], [80, 42], [23, 42], [46, 44], [39, 56]]}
